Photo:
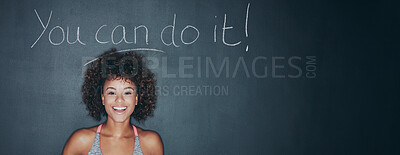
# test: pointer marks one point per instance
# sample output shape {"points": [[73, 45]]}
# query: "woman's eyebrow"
{"points": [[110, 88], [129, 88]]}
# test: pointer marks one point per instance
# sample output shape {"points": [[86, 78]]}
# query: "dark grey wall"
{"points": [[350, 106]]}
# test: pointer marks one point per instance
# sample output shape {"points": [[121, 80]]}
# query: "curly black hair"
{"points": [[113, 65]]}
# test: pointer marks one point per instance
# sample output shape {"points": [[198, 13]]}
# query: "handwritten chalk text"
{"points": [[58, 34]]}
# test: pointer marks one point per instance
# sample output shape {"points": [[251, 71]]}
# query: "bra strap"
{"points": [[99, 128], [135, 130]]}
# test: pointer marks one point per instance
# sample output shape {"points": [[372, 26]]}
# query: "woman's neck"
{"points": [[117, 129]]}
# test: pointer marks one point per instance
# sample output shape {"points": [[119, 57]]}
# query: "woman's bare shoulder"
{"points": [[80, 141], [150, 140], [84, 134]]}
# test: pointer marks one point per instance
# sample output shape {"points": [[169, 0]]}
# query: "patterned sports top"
{"points": [[95, 150]]}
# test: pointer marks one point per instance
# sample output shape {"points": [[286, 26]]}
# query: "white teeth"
{"points": [[119, 108]]}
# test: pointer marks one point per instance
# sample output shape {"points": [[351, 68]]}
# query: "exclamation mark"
{"points": [[245, 26], [215, 31]]}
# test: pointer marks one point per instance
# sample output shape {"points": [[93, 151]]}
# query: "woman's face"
{"points": [[119, 99]]}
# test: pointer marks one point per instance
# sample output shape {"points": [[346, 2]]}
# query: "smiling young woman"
{"points": [[118, 86]]}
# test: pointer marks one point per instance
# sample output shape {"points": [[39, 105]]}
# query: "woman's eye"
{"points": [[128, 93], [110, 93]]}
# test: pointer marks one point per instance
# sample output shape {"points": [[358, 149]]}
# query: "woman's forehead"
{"points": [[119, 82]]}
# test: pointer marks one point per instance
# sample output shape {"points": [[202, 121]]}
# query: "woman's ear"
{"points": [[102, 99], [137, 99]]}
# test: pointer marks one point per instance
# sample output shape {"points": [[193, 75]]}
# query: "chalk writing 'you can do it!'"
{"points": [[58, 35]]}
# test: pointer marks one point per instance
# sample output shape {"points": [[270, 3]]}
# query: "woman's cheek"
{"points": [[110, 99], [129, 99]]}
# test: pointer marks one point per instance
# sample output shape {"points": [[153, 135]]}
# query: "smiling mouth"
{"points": [[119, 110]]}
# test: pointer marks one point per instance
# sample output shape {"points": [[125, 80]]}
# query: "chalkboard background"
{"points": [[245, 77]]}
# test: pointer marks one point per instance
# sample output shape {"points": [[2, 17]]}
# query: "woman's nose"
{"points": [[119, 99]]}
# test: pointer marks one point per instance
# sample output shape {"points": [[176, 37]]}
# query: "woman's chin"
{"points": [[119, 116]]}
